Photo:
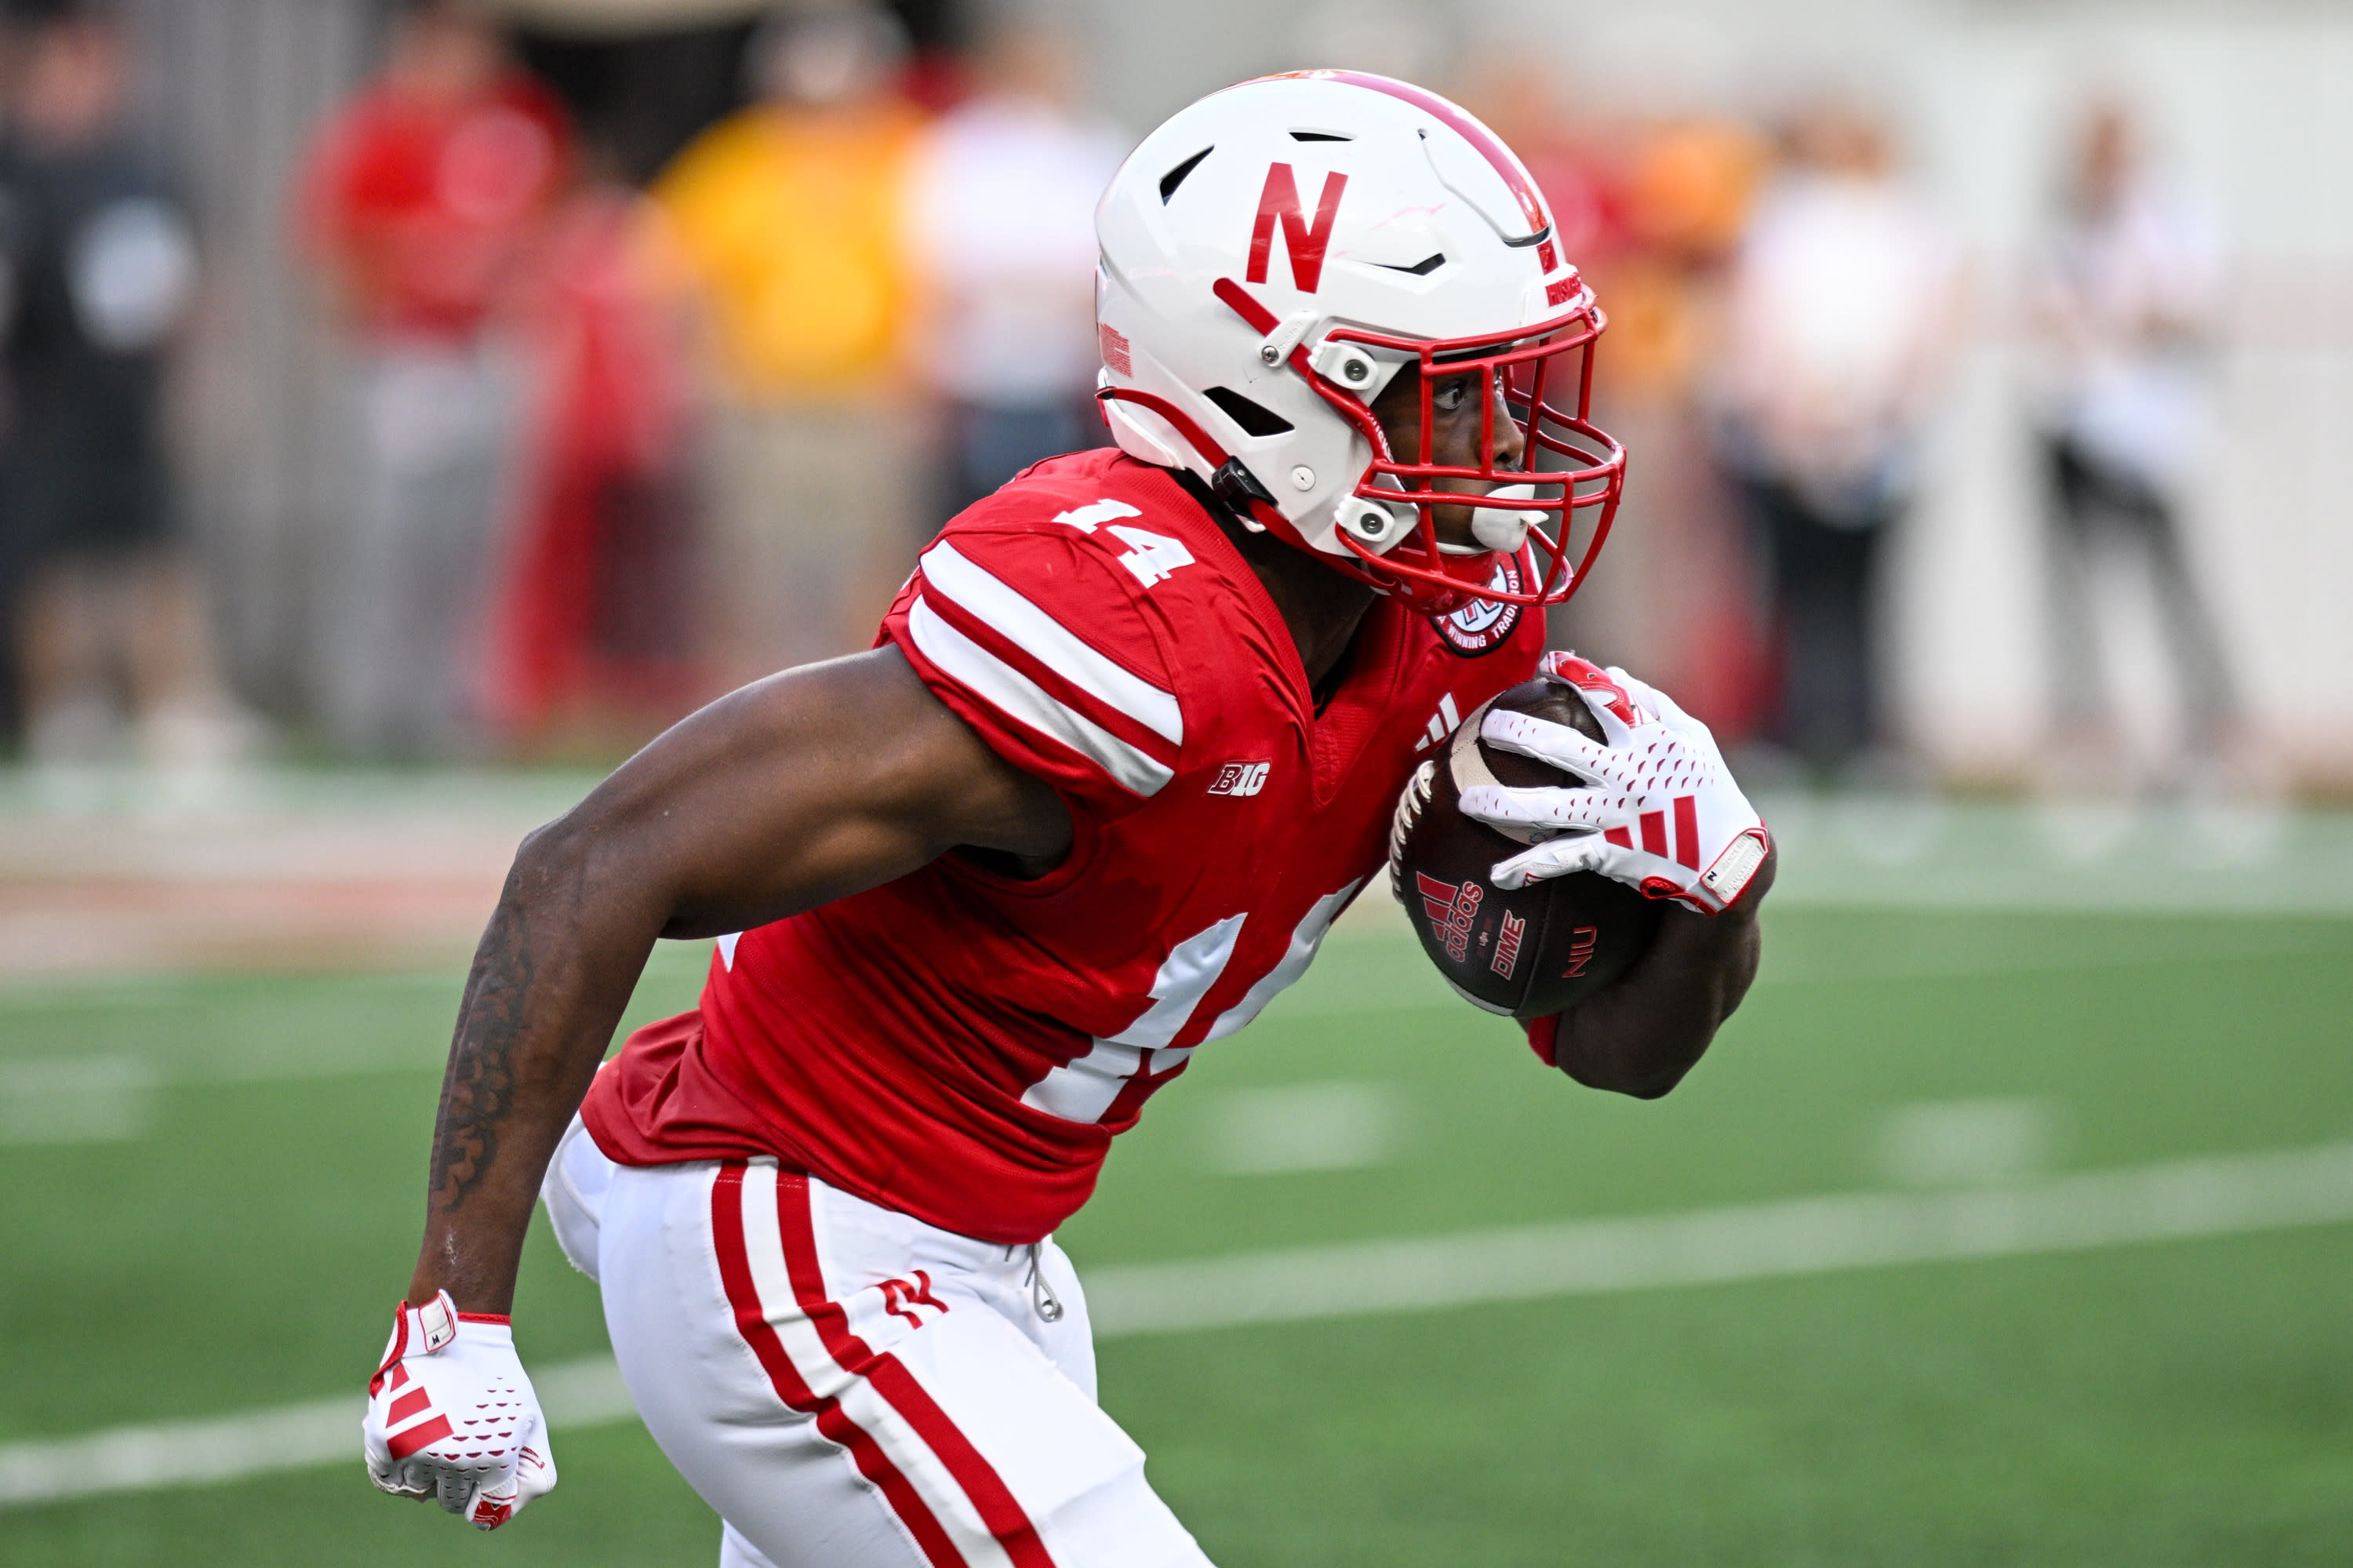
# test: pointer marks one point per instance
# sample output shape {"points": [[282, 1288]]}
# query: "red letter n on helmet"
{"points": [[1305, 242]]}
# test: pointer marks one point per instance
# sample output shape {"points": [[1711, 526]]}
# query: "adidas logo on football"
{"points": [[1452, 909]]}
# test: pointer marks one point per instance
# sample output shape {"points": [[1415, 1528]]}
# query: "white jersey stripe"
{"points": [[1305, 941], [906, 1448], [987, 599], [1021, 699], [1084, 1089]]}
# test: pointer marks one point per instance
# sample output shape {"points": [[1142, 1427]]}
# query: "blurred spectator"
{"points": [[1686, 191], [1649, 211], [2129, 292], [100, 263], [1687, 195], [1000, 214], [424, 198], [789, 216], [591, 630], [1840, 312], [1575, 159]]}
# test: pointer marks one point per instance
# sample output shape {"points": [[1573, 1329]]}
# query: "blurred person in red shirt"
{"points": [[590, 638], [98, 260], [2129, 295], [1651, 208], [1841, 319], [1683, 196], [789, 215], [1576, 153], [423, 200], [1000, 216]]}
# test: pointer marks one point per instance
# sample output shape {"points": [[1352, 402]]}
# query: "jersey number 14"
{"points": [[1151, 557]]}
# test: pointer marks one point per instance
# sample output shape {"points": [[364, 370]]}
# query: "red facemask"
{"points": [[1566, 465], [1541, 382]]}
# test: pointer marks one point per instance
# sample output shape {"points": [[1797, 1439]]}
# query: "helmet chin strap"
{"points": [[1238, 488]]}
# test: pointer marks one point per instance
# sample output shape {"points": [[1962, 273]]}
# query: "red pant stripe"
{"points": [[752, 1322], [991, 1498]]}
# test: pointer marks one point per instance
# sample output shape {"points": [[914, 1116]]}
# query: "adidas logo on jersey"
{"points": [[1442, 724], [1242, 778]]}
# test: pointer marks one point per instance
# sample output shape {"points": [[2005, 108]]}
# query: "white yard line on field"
{"points": [[2174, 1200], [289, 1437]]}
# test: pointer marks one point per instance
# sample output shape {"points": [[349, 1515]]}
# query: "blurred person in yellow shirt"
{"points": [[788, 218]]}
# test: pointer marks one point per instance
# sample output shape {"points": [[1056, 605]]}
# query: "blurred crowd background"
{"points": [[459, 381]]}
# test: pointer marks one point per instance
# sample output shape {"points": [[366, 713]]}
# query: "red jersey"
{"points": [[962, 1045]]}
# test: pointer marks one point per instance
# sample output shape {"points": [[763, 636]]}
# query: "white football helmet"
{"points": [[1274, 254]]}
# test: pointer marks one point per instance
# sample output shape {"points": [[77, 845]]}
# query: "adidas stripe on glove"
{"points": [[451, 1417], [1661, 811]]}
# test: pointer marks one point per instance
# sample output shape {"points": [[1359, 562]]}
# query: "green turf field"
{"points": [[228, 1210]]}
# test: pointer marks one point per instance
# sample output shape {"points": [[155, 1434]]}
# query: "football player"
{"points": [[1128, 742]]}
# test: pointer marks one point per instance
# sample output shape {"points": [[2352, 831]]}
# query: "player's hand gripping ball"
{"points": [[1536, 948], [451, 1417], [1534, 853], [1661, 811]]}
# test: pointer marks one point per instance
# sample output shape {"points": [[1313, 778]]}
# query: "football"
{"points": [[1530, 953]]}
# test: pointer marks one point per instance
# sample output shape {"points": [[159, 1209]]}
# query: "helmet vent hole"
{"points": [[1255, 418], [1319, 136], [1175, 176]]}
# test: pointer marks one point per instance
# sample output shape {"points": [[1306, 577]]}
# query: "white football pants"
{"points": [[850, 1387]]}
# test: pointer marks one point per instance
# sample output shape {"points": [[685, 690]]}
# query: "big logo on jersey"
{"points": [[1242, 778], [1484, 624]]}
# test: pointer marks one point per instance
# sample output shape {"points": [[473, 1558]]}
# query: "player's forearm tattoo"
{"points": [[478, 1088]]}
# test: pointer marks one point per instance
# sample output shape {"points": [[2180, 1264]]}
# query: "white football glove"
{"points": [[451, 1415], [1662, 813]]}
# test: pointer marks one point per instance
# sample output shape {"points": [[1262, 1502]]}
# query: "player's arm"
{"points": [[793, 791], [1640, 1035]]}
